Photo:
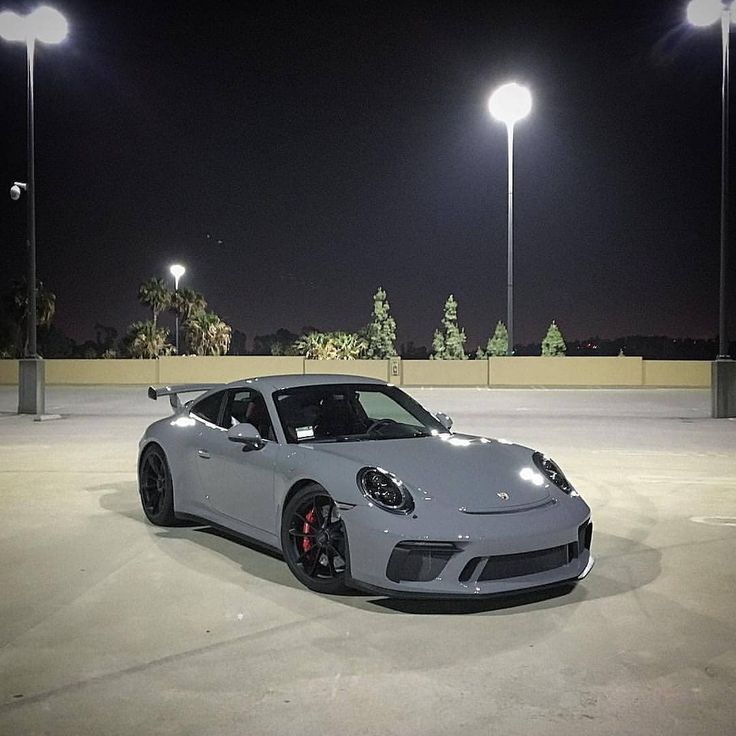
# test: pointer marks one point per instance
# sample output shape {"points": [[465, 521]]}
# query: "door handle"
{"points": [[203, 454]]}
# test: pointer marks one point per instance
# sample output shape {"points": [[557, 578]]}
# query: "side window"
{"points": [[208, 408], [247, 405], [236, 407]]}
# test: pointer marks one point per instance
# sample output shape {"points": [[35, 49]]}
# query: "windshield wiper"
{"points": [[367, 437], [341, 438], [409, 436]]}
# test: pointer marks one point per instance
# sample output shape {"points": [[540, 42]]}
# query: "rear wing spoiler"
{"points": [[183, 388]]}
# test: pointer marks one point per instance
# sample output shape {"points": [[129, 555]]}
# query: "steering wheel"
{"points": [[379, 423]]}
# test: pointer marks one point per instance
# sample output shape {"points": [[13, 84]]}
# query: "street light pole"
{"points": [[32, 350], [722, 325], [509, 104], [510, 243], [723, 369], [177, 271], [47, 25]]}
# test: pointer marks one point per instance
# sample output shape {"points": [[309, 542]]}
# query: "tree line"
{"points": [[203, 332], [378, 339]]}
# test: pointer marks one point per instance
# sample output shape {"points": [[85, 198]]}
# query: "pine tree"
{"points": [[497, 344], [553, 344], [449, 345], [381, 332], [438, 346]]}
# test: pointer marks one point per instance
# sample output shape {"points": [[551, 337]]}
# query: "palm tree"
{"points": [[331, 346], [146, 340], [348, 345], [16, 302], [154, 294], [315, 346], [45, 306], [207, 334], [187, 303]]}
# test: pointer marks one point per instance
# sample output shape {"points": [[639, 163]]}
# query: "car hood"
{"points": [[472, 474]]}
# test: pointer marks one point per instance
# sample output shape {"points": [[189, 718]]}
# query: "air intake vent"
{"points": [[419, 561], [525, 563]]}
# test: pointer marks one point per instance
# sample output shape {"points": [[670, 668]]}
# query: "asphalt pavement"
{"points": [[109, 625]]}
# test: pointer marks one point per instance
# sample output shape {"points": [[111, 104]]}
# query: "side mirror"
{"points": [[247, 435], [444, 420]]}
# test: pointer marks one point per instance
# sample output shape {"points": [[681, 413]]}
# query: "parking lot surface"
{"points": [[109, 625]]}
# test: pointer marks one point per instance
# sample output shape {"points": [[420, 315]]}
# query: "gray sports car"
{"points": [[360, 487]]}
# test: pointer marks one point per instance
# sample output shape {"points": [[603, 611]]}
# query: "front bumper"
{"points": [[481, 555]]}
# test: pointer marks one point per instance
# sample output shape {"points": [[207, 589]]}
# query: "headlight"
{"points": [[552, 471], [385, 490]]}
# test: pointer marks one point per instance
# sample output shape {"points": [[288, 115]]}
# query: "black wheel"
{"points": [[156, 487], [313, 540]]}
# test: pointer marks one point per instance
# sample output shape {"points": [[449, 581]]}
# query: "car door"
{"points": [[239, 482]]}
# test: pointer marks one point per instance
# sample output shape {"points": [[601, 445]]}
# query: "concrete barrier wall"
{"points": [[205, 369], [517, 371], [444, 372], [565, 371], [370, 368], [8, 372], [685, 373], [73, 371]]}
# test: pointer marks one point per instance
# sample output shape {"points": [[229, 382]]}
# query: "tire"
{"points": [[156, 487], [314, 542]]}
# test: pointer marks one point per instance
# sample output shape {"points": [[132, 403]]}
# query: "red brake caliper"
{"points": [[308, 521]]}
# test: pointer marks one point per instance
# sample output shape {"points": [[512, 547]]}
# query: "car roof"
{"points": [[276, 383]]}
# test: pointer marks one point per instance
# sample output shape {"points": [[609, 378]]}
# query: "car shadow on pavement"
{"points": [[121, 497], [623, 563]]}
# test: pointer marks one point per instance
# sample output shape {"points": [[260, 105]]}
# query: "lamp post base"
{"points": [[723, 388], [31, 386]]}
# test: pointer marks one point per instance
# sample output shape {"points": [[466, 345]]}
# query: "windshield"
{"points": [[352, 413]]}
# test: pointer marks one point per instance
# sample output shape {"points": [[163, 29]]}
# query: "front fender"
{"points": [[301, 463]]}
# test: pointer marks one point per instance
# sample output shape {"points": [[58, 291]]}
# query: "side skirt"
{"points": [[237, 536]]}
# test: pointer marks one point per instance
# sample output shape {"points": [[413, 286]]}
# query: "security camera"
{"points": [[16, 189]]}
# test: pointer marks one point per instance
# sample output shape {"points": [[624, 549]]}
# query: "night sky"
{"points": [[295, 156]]}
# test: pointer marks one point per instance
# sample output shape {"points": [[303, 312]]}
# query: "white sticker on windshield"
{"points": [[304, 433]]}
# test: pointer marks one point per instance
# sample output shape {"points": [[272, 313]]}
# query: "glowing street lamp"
{"points": [[704, 12], [177, 271], [47, 25], [509, 104], [723, 379]]}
